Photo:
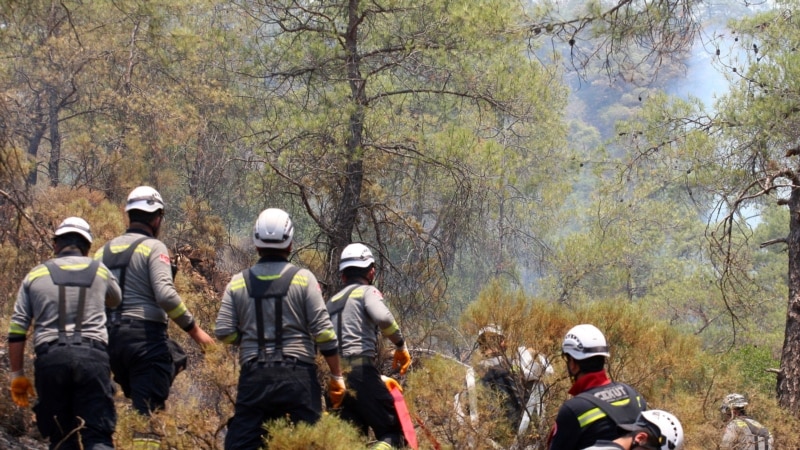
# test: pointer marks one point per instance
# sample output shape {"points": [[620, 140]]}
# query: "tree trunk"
{"points": [[347, 211], [55, 136], [35, 139], [789, 377]]}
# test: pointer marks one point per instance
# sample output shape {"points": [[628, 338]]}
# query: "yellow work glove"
{"points": [[402, 359], [391, 383], [336, 390], [21, 389]]}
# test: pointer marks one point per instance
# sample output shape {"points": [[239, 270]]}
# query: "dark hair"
{"points": [[356, 272], [593, 364], [652, 439], [73, 239], [269, 251], [137, 215]]}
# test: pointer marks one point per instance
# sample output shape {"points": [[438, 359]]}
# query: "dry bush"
{"points": [[27, 233], [670, 369], [330, 433], [430, 394]]}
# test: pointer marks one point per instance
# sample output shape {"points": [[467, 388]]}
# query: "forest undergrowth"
{"points": [[669, 368]]}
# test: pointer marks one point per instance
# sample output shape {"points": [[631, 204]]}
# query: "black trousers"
{"points": [[372, 406], [75, 396], [141, 363], [270, 391]]}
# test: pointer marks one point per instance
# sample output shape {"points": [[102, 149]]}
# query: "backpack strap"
{"points": [[626, 414], [82, 279], [260, 290], [335, 308], [758, 432], [120, 261]]}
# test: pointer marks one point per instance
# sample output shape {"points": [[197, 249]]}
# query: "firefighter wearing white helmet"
{"points": [[273, 229], [654, 429], [64, 300], [144, 198], [74, 225], [360, 315], [274, 311], [742, 432], [598, 404], [143, 358]]}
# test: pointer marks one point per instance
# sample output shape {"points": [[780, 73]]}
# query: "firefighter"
{"points": [[275, 313], [513, 376], [143, 358], [598, 404], [742, 432], [359, 314], [65, 299]]}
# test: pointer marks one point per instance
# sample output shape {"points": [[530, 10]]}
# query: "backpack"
{"points": [[260, 290], [619, 415], [80, 278]]}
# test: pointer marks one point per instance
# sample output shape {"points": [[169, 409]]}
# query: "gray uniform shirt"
{"points": [[306, 323], [37, 302], [149, 291], [364, 314]]}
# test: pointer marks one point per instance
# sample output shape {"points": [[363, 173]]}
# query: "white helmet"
{"points": [[273, 229], [733, 401], [74, 225], [584, 341], [144, 198], [669, 430], [356, 255]]}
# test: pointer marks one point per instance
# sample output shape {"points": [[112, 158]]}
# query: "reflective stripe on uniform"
{"points": [[391, 329], [590, 416], [300, 280], [34, 274], [143, 249], [596, 414], [239, 283], [45, 271], [326, 336], [177, 311], [231, 338], [17, 329]]}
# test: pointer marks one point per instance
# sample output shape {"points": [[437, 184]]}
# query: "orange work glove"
{"points": [[402, 359], [21, 389], [336, 390], [391, 383]]}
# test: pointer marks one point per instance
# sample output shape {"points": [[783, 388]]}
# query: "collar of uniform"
{"points": [[69, 252], [138, 231], [589, 381], [272, 258]]}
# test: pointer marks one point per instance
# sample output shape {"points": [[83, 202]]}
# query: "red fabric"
{"points": [[405, 417], [589, 381], [551, 435]]}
